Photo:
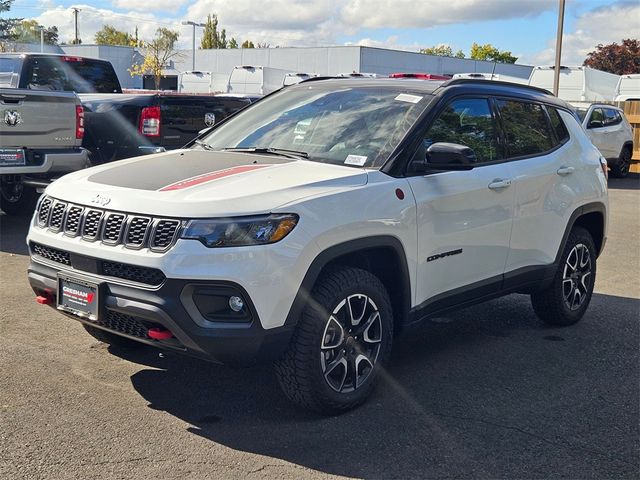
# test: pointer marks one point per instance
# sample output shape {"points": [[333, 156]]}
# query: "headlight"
{"points": [[240, 232]]}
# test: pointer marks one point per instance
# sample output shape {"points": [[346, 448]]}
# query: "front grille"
{"points": [[112, 228], [57, 216], [134, 273], [72, 222], [91, 225], [52, 254], [164, 233], [124, 324], [124, 271]]}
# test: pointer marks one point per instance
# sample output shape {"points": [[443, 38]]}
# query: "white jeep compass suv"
{"points": [[315, 225]]}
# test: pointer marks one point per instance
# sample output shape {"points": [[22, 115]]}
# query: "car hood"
{"points": [[197, 183]]}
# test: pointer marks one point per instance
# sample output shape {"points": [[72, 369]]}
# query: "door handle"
{"points": [[565, 170], [499, 183]]}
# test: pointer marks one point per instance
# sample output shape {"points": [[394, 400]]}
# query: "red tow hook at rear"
{"points": [[159, 333]]}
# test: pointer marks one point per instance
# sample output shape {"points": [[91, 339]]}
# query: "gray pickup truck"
{"points": [[40, 139]]}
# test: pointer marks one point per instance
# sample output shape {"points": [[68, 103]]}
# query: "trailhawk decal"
{"points": [[209, 177]]}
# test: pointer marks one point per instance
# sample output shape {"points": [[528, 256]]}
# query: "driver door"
{"points": [[464, 217]]}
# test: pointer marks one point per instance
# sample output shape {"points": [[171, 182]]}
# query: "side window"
{"points": [[466, 122], [611, 117], [562, 134], [526, 128], [597, 118]]}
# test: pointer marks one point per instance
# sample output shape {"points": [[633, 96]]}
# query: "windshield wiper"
{"points": [[283, 152], [204, 145]]}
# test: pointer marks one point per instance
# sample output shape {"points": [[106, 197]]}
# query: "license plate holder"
{"points": [[12, 157], [79, 296]]}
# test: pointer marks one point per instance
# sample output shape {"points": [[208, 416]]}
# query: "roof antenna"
{"points": [[495, 64]]}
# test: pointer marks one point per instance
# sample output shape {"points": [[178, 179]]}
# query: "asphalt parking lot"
{"points": [[487, 392]]}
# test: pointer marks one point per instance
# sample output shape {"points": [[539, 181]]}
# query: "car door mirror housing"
{"points": [[595, 124], [450, 156]]}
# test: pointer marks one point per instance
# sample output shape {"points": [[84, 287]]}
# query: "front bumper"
{"points": [[130, 311]]}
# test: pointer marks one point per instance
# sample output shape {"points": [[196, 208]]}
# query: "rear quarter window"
{"points": [[526, 128], [558, 126]]}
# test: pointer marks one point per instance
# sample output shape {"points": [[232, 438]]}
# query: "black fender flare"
{"points": [[325, 257], [597, 207]]}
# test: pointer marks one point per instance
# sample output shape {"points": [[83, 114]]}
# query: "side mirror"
{"points": [[450, 156], [595, 124]]}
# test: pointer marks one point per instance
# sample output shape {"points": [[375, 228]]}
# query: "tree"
{"points": [[157, 54], [233, 43], [622, 59], [28, 31], [211, 38], [490, 53], [109, 35], [442, 51], [7, 24], [248, 44], [73, 41]]}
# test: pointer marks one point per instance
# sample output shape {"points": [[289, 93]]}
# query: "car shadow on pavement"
{"points": [[13, 234], [485, 392], [630, 182]]}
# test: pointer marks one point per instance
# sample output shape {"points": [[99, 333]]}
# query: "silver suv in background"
{"points": [[610, 131]]}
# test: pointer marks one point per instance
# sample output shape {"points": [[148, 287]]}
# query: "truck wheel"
{"points": [[568, 297], [621, 168], [112, 338], [341, 342], [16, 199]]}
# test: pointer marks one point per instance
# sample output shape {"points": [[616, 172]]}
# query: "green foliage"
{"points": [[109, 35], [248, 44], [442, 51], [157, 54], [28, 31], [623, 59], [233, 43], [212, 38], [490, 53], [7, 24]]}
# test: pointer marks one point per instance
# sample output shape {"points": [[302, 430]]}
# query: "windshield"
{"points": [[357, 126]]}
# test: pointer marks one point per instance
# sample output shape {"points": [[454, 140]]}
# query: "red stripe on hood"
{"points": [[208, 177]]}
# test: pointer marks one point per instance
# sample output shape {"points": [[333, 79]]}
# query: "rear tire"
{"points": [[566, 300], [16, 199], [111, 338], [621, 168], [341, 343]]}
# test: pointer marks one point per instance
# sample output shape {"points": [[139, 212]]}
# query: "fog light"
{"points": [[236, 303]]}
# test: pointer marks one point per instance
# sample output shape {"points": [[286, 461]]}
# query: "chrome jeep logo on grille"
{"points": [[12, 118], [101, 200]]}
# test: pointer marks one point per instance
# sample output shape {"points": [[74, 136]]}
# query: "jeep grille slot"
{"points": [[91, 225], [134, 273], [113, 226], [57, 216], [164, 234], [72, 222], [110, 227], [137, 232], [43, 212]]}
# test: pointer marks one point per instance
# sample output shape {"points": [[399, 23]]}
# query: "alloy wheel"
{"points": [[577, 276]]}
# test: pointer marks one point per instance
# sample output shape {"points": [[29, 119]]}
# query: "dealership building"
{"points": [[312, 60]]}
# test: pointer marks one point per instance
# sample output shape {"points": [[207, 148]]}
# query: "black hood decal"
{"points": [[157, 172]]}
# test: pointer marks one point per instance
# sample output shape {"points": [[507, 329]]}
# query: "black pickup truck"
{"points": [[119, 125]]}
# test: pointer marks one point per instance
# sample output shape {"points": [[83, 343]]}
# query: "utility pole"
{"points": [[556, 71], [41, 39], [193, 51], [75, 15]]}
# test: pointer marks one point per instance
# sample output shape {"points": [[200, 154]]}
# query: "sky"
{"points": [[527, 28]]}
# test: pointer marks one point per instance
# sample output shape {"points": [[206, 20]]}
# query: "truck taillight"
{"points": [[150, 122], [79, 122]]}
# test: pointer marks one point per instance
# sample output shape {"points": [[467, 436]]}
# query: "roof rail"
{"points": [[460, 81]]}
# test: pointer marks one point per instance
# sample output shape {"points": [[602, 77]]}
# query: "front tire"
{"points": [[566, 300], [621, 168], [341, 343]]}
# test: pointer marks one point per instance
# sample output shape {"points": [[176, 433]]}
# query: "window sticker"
{"points": [[358, 160], [405, 97]]}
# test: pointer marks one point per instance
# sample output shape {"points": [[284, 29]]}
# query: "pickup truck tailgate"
{"points": [[38, 119]]}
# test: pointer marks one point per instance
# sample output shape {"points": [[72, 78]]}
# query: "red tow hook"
{"points": [[44, 300], [159, 333]]}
